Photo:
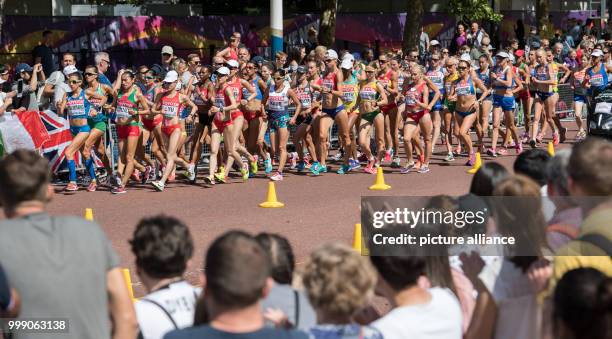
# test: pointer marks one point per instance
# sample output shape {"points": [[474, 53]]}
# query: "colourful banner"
{"points": [[137, 40]]}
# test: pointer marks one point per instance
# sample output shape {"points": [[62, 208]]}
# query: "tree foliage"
{"points": [[473, 10]]}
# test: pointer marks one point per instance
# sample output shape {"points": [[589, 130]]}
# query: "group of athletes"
{"points": [[244, 108]]}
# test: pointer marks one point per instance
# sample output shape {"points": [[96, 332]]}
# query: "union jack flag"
{"points": [[59, 138]]}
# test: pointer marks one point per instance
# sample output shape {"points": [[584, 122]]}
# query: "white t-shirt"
{"points": [[516, 302], [438, 319], [178, 299]]}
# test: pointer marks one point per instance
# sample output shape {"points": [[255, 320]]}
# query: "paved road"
{"points": [[317, 209]]}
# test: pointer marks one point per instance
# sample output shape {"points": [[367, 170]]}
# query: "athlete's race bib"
{"points": [[122, 111], [76, 108], [368, 93], [169, 111], [348, 94], [410, 97], [597, 80], [276, 103]]}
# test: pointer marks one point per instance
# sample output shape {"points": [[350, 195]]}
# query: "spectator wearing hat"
{"points": [[167, 58], [43, 54], [533, 40], [475, 35], [29, 80]]}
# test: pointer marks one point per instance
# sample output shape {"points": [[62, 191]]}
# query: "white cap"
{"points": [[348, 56], [597, 53], [171, 76], [503, 55], [70, 69], [167, 50], [223, 70], [346, 64], [434, 42], [233, 63], [512, 58], [331, 54], [465, 57]]}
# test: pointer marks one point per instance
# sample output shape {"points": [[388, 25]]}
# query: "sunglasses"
{"points": [[107, 61], [148, 77], [444, 52], [75, 82], [90, 74], [382, 61], [329, 60], [166, 55], [250, 67], [369, 72], [196, 62], [144, 72], [435, 59], [462, 68], [279, 78], [218, 64]]}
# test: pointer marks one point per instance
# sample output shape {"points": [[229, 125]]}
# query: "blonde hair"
{"points": [[338, 280]]}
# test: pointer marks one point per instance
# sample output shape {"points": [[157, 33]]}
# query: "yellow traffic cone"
{"points": [[128, 283], [271, 201], [357, 238], [379, 184], [551, 149], [477, 164], [89, 214]]}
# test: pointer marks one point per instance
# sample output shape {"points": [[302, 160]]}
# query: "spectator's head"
{"points": [[167, 53], [589, 168], [545, 43], [397, 273], [179, 65], [280, 59], [320, 52], [244, 55], [193, 60], [23, 71], [556, 174], [514, 44], [237, 271], [24, 179], [558, 48], [486, 178], [218, 62], [532, 163], [520, 215], [282, 260], [68, 59], [312, 34], [338, 281], [234, 41], [583, 305], [474, 27], [102, 60], [162, 246], [485, 43], [460, 29], [46, 37]]}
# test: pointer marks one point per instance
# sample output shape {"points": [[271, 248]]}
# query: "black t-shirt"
{"points": [[211, 333], [5, 291], [46, 58]]}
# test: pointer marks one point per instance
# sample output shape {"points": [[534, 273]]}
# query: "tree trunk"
{"points": [[412, 26], [542, 7], [1, 18], [327, 27]]}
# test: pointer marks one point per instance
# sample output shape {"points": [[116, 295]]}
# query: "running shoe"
{"points": [[118, 190], [503, 151], [254, 166], [300, 166], [160, 171], [278, 176], [406, 169], [563, 135], [245, 172], [172, 176], [292, 161], [209, 180], [268, 165], [191, 173], [370, 168], [72, 187], [424, 169], [220, 177], [323, 169], [532, 143], [344, 169], [519, 149], [492, 152], [158, 185], [92, 186], [388, 154], [449, 157], [354, 164], [362, 157], [524, 138], [315, 168], [512, 144], [471, 160], [581, 135], [555, 139], [539, 138], [136, 175], [338, 156], [396, 163], [147, 174]]}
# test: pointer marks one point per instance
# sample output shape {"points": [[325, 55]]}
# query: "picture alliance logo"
{"points": [[412, 218]]}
